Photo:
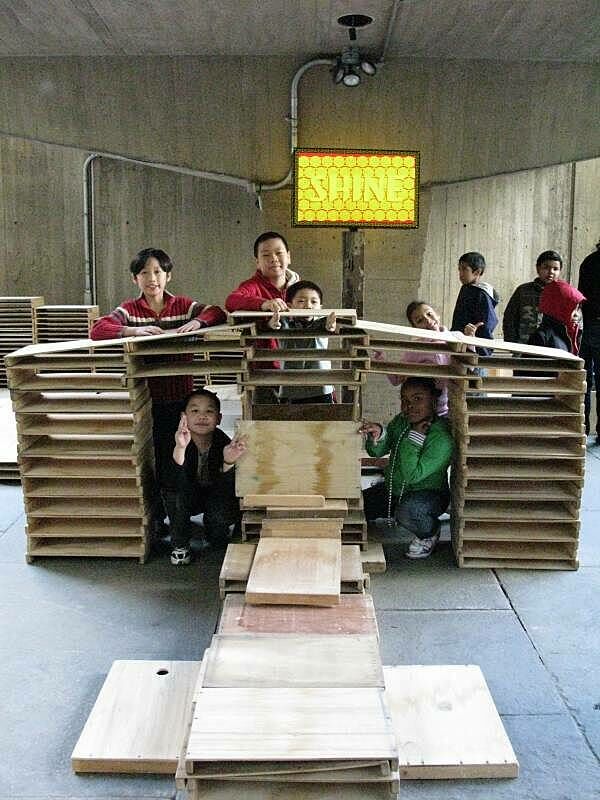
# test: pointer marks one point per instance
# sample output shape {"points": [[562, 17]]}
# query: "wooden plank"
{"points": [[283, 501], [292, 660], [254, 724], [332, 508], [514, 531], [517, 563], [373, 558], [446, 724], [88, 548], [322, 457], [538, 551], [226, 790], [505, 510], [355, 614], [236, 567], [138, 721], [96, 528], [296, 571], [317, 528]]}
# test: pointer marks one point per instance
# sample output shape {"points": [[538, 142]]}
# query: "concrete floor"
{"points": [[535, 635]]}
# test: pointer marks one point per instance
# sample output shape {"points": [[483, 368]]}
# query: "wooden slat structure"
{"points": [[522, 419], [85, 452], [80, 415], [55, 323], [17, 327]]}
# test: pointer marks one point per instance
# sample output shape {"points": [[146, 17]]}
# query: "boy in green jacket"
{"points": [[415, 491]]}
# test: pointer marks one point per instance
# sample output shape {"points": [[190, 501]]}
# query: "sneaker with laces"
{"points": [[422, 548], [180, 556]]}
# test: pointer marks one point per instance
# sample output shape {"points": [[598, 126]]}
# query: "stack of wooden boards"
{"points": [[211, 355], [518, 475], [17, 327], [292, 701], [345, 353], [63, 323], [85, 451]]}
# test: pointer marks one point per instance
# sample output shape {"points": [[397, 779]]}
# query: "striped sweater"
{"points": [[176, 312]]}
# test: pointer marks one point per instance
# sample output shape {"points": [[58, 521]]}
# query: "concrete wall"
{"points": [[474, 122]]}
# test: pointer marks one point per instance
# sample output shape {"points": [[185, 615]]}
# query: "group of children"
{"points": [[196, 473]]}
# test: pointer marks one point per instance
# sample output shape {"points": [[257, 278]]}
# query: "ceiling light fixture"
{"points": [[350, 63]]}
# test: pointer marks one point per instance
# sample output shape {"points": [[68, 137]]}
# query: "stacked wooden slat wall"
{"points": [[63, 323], [17, 327], [518, 474], [85, 452]]}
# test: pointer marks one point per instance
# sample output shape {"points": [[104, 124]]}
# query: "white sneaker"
{"points": [[181, 556], [422, 548]]}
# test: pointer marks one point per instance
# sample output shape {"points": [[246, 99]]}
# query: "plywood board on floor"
{"points": [[254, 725], [296, 571], [355, 614], [321, 458], [446, 724], [139, 719], [225, 790], [373, 558], [293, 660]]}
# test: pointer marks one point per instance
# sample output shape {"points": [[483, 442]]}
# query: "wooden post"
{"points": [[353, 275]]}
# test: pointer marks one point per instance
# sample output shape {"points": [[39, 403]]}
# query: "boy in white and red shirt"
{"points": [[155, 311]]}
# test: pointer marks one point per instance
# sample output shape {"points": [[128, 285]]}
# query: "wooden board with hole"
{"points": [[139, 719]]}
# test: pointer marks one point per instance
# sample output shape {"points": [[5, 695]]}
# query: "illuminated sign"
{"points": [[356, 188]]}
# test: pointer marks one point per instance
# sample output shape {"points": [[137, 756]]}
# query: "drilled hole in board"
{"points": [[162, 671]]}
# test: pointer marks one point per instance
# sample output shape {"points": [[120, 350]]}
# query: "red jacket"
{"points": [[176, 312], [252, 293], [558, 300]]}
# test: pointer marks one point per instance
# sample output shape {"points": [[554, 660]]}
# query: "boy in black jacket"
{"points": [[201, 476], [474, 312]]}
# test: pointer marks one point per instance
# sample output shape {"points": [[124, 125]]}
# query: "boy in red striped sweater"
{"points": [[155, 311]]}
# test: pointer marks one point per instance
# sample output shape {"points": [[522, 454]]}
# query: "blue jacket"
{"points": [[476, 302]]}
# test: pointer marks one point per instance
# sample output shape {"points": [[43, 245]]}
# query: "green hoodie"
{"points": [[415, 466]]}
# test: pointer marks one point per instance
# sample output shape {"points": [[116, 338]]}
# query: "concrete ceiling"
{"points": [[503, 30]]}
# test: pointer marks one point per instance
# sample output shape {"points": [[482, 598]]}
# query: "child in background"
{"points": [[266, 291], [422, 315], [202, 476], [155, 311], [305, 295], [560, 326], [522, 315], [474, 312], [415, 490]]}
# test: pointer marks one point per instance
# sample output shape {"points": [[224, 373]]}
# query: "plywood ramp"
{"points": [[320, 458], [292, 660], [446, 724], [139, 719], [255, 725], [355, 614], [296, 571]]}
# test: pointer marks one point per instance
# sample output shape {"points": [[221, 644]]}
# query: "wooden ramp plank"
{"points": [[139, 719], [283, 501], [296, 571], [292, 660], [315, 527], [322, 458], [446, 724], [219, 790], [355, 614], [254, 725]]}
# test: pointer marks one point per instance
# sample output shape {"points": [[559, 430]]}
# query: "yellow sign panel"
{"points": [[356, 188]]}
